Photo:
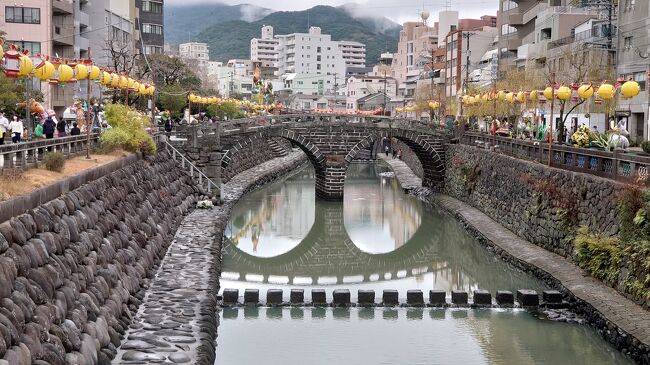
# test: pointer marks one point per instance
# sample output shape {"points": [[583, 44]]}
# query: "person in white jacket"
{"points": [[17, 128], [4, 127]]}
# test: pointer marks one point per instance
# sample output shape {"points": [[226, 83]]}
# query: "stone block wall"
{"points": [[73, 271], [538, 203], [251, 156], [410, 158]]}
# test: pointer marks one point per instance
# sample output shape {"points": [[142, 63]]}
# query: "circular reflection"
{"points": [[274, 220], [379, 217]]}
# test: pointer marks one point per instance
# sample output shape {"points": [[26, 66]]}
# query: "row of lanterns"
{"points": [[605, 91], [17, 64], [196, 99]]}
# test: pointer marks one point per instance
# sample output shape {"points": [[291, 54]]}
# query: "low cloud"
{"points": [[251, 13]]}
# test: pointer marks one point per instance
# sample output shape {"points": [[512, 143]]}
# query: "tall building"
{"points": [[632, 57], [113, 34], [464, 46], [194, 51], [266, 47], [150, 23], [309, 63]]}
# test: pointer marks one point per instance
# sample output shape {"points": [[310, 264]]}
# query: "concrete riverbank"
{"points": [[177, 320], [619, 320]]}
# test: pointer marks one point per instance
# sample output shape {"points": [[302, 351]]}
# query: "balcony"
{"points": [[597, 34], [62, 7], [62, 32], [82, 18]]}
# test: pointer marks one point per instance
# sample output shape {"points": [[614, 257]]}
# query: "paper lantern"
{"points": [[66, 73], [135, 87], [95, 73], [510, 97], [124, 82], [563, 93], [465, 99], [44, 71], [106, 78], [521, 97], [11, 63], [606, 91], [143, 89], [630, 89], [471, 100], [2, 51], [548, 93], [26, 66], [485, 98], [81, 71], [115, 80], [151, 90], [585, 91], [502, 95], [534, 95]]}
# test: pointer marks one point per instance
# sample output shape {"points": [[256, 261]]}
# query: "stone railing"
{"points": [[29, 153], [616, 165], [201, 179]]}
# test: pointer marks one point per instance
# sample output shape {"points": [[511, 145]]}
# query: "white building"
{"points": [[235, 77], [266, 47], [354, 53], [359, 87], [194, 51]]}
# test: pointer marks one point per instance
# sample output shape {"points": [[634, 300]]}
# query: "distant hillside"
{"points": [[231, 39], [183, 22]]}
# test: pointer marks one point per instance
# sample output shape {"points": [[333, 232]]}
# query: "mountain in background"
{"points": [[184, 22], [228, 29]]}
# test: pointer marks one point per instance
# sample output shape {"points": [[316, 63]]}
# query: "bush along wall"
{"points": [[599, 224], [73, 271]]}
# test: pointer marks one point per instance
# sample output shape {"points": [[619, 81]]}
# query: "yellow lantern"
{"points": [[510, 97], [606, 91], [136, 86], [2, 51], [81, 71], [115, 80], [190, 97], [65, 73], [534, 95], [563, 93], [94, 73], [521, 97], [26, 66], [465, 99], [151, 90], [485, 98], [502, 95], [143, 89], [471, 100], [44, 71], [585, 91], [124, 82], [106, 78], [630, 89], [548, 93]]}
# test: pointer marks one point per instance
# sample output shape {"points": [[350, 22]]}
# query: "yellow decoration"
{"points": [[44, 71], [471, 100], [502, 95], [485, 98], [95, 73], [151, 90], [563, 93], [521, 97], [606, 91], [534, 95], [548, 93], [630, 89], [124, 82], [136, 86], [143, 89], [81, 71], [2, 51], [585, 91], [26, 66], [106, 78], [510, 97], [115, 80], [65, 73]]}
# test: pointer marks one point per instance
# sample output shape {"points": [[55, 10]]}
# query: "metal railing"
{"points": [[196, 173], [616, 165], [27, 154]]}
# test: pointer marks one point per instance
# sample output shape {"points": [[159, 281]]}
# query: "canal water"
{"points": [[379, 238]]}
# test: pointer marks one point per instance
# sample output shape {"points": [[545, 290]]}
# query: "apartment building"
{"points": [[354, 53], [361, 87], [266, 47], [632, 62], [194, 51], [150, 24], [113, 30], [463, 46]]}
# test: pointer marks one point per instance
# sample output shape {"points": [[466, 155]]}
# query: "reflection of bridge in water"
{"points": [[327, 256]]}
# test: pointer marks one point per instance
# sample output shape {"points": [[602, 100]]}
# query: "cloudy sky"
{"points": [[397, 10]]}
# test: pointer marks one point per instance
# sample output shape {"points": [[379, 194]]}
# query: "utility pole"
{"points": [[549, 128], [433, 50], [464, 88], [88, 91]]}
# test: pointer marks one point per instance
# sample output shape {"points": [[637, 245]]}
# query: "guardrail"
{"points": [[616, 165], [26, 154], [196, 173]]}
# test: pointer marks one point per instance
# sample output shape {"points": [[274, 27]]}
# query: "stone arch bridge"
{"points": [[330, 142]]}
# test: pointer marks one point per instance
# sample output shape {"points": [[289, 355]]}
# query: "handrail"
{"points": [[44, 143], [193, 167]]}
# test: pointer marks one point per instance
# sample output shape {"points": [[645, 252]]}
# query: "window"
{"points": [[318, 58], [318, 66], [627, 42], [318, 50], [152, 28], [152, 6], [32, 47], [16, 14]]}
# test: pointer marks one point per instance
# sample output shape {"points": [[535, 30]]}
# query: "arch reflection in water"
{"points": [[375, 240]]}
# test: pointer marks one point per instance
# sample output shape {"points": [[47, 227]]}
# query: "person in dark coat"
{"points": [[49, 127], [60, 127], [75, 131]]}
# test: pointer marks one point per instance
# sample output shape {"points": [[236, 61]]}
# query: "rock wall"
{"points": [[251, 156], [537, 203], [74, 270], [410, 158]]}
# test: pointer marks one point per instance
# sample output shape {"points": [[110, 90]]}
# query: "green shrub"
{"points": [[645, 145], [599, 255], [54, 161], [127, 130]]}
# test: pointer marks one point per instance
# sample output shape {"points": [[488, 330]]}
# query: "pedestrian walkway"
{"points": [[407, 179]]}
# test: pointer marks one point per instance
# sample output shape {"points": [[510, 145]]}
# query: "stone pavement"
{"points": [[176, 322], [619, 320], [407, 179]]}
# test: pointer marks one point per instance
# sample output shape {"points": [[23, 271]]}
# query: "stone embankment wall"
{"points": [[253, 155], [537, 203], [73, 271]]}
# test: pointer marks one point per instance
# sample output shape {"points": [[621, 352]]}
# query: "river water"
{"points": [[379, 238]]}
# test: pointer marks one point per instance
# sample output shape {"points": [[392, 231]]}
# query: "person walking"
{"points": [[60, 127], [4, 127], [17, 129], [49, 127], [75, 131]]}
